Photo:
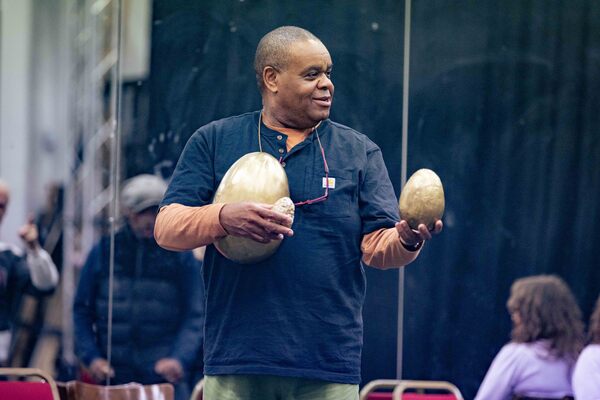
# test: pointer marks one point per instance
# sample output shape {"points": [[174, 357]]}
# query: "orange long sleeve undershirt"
{"points": [[180, 227], [383, 249]]}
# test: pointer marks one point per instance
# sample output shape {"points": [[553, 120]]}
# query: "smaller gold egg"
{"points": [[422, 199]]}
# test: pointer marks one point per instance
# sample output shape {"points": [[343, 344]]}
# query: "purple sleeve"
{"points": [[499, 381], [586, 377]]}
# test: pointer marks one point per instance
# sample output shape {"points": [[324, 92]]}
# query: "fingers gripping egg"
{"points": [[422, 199], [256, 177]]}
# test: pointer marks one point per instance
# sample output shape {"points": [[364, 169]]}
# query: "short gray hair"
{"points": [[273, 49]]}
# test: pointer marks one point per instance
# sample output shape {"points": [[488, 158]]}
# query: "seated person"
{"points": [[547, 337], [586, 378]]}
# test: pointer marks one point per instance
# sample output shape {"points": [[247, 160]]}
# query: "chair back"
{"points": [[519, 397], [75, 390], [411, 396], [44, 388], [400, 387], [198, 390]]}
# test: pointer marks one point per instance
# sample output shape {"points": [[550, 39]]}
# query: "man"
{"points": [[289, 327], [157, 312], [32, 272]]}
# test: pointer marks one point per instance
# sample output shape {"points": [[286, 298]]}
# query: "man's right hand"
{"points": [[29, 234], [100, 370], [255, 221]]}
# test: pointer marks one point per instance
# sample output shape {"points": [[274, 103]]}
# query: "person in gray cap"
{"points": [[157, 313]]}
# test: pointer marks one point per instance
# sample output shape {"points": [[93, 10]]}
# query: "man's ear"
{"points": [[270, 81]]}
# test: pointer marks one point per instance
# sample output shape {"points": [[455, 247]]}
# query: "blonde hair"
{"points": [[547, 310]]}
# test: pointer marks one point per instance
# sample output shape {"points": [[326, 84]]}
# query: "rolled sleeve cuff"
{"points": [[383, 249]]}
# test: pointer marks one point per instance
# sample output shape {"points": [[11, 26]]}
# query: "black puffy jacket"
{"points": [[157, 307]]}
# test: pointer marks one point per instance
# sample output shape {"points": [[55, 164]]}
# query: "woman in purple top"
{"points": [[547, 336], [586, 378]]}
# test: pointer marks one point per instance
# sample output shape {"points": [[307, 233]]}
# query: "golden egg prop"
{"points": [[256, 177], [422, 199]]}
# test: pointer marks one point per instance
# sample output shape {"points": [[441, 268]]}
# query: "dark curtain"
{"points": [[203, 51], [504, 104]]}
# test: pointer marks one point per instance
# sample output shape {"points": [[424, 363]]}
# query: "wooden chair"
{"points": [[198, 390], [43, 388], [401, 386], [75, 390]]}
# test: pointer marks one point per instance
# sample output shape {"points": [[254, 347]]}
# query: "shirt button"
{"points": [[283, 164], [280, 151], [279, 137]]}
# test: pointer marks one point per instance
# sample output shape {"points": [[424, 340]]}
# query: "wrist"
{"points": [[32, 247], [412, 247], [221, 223]]}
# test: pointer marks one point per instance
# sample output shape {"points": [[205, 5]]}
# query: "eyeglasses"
{"points": [[325, 167]]}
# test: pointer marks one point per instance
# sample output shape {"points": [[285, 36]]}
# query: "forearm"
{"points": [[86, 346], [383, 249], [188, 341], [180, 227], [42, 270], [84, 317]]}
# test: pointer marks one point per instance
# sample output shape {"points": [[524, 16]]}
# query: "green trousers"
{"points": [[268, 387]]}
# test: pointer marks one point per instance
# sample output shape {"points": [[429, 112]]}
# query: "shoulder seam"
{"points": [[359, 135]]}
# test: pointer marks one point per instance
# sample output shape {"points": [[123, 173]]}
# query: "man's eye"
{"points": [[328, 74]]}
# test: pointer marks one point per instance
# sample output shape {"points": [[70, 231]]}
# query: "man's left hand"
{"points": [[170, 369], [411, 237]]}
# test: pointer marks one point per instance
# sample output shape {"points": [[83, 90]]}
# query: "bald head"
{"points": [[4, 196], [273, 49]]}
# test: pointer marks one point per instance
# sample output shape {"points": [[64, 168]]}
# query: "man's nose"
{"points": [[325, 83]]}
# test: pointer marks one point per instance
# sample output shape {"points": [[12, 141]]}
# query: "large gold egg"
{"points": [[422, 199], [256, 177]]}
